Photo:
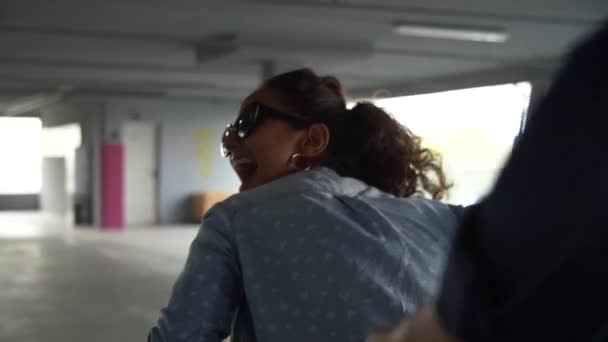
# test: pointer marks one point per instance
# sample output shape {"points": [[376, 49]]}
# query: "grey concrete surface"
{"points": [[61, 284]]}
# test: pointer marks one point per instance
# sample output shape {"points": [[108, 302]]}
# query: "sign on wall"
{"points": [[205, 141]]}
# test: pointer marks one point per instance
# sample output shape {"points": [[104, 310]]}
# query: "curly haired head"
{"points": [[366, 142]]}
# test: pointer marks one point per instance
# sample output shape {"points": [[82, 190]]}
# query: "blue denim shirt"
{"points": [[310, 257]]}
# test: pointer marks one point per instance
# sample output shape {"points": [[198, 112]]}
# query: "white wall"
{"points": [[54, 198], [474, 130], [187, 164], [89, 116], [20, 172]]}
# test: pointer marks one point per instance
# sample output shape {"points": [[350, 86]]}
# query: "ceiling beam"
{"points": [[530, 71], [90, 75], [28, 104], [371, 8], [176, 95], [93, 48]]}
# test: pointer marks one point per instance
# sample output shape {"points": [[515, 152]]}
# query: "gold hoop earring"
{"points": [[296, 160]]}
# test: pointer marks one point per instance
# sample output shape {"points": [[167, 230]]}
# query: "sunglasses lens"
{"points": [[242, 128], [229, 131], [247, 120], [243, 125]]}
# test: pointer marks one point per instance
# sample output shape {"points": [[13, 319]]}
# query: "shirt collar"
{"points": [[319, 179]]}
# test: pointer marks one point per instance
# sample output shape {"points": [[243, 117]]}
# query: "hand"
{"points": [[423, 327]]}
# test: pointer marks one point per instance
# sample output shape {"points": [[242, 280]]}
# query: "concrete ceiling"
{"points": [[218, 49]]}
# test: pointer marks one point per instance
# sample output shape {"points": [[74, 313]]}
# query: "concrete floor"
{"points": [[63, 284]]}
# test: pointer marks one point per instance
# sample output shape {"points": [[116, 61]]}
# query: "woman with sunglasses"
{"points": [[331, 236]]}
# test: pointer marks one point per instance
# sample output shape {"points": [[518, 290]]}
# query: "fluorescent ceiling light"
{"points": [[475, 34]]}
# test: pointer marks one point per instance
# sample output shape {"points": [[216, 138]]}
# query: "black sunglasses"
{"points": [[249, 119]]}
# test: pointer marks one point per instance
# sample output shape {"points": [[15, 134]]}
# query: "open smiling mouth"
{"points": [[246, 169]]}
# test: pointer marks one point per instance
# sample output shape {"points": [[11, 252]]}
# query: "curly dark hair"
{"points": [[366, 142]]}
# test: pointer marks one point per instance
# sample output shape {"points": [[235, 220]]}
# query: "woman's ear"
{"points": [[315, 140]]}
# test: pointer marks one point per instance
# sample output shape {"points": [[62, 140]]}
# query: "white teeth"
{"points": [[242, 161]]}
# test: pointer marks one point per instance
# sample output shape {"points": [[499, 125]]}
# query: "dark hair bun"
{"points": [[378, 150], [333, 84]]}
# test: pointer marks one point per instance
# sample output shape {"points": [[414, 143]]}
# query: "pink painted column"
{"points": [[112, 180]]}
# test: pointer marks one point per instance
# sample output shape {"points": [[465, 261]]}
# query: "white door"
{"points": [[140, 173]]}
